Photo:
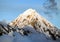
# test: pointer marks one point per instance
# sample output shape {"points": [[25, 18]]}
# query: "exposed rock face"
{"points": [[40, 24]]}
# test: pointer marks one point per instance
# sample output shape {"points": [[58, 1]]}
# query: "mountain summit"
{"points": [[31, 18]]}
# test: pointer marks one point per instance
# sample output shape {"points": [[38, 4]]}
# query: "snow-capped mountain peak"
{"points": [[30, 15], [40, 24], [29, 26]]}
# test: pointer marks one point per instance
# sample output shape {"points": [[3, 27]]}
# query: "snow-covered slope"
{"points": [[25, 36], [29, 27]]}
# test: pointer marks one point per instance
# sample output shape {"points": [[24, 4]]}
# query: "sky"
{"points": [[10, 9]]}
